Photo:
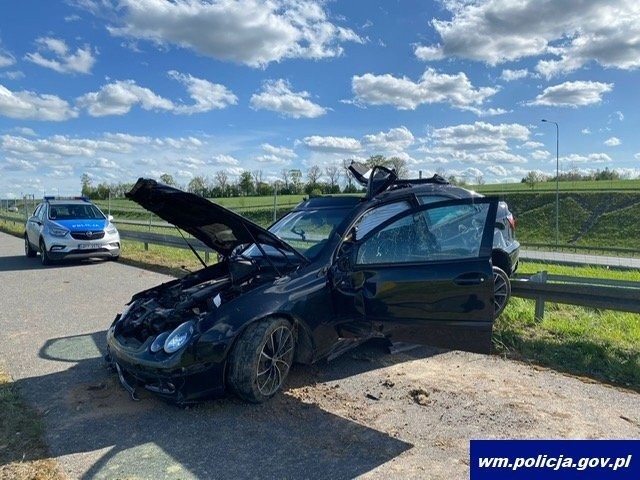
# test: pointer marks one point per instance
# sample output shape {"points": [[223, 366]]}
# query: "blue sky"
{"points": [[120, 89]]}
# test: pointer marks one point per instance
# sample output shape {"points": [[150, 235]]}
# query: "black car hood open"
{"points": [[215, 226]]}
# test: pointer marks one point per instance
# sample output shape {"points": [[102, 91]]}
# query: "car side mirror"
{"points": [[344, 262], [346, 257]]}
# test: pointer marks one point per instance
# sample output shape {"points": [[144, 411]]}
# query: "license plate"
{"points": [[89, 246]]}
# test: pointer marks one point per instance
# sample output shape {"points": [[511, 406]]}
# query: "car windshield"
{"points": [[73, 211], [305, 230]]}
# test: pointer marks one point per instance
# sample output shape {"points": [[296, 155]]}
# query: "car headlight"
{"points": [[57, 231], [111, 229], [179, 337], [158, 343]]}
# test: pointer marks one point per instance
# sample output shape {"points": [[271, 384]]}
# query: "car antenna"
{"points": [[191, 247]]}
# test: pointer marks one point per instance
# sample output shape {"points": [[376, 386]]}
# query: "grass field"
{"points": [[610, 185], [599, 344]]}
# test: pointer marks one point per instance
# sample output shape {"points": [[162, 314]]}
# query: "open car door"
{"points": [[424, 275]]}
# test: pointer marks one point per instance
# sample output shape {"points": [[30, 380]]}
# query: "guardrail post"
{"points": [[206, 256], [540, 277]]}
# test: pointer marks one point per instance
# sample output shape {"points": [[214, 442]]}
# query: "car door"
{"points": [[34, 224], [424, 275]]}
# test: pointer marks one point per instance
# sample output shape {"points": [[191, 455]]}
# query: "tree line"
{"points": [[533, 178], [315, 181]]}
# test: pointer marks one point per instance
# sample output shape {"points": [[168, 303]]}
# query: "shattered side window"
{"points": [[445, 233], [372, 218]]}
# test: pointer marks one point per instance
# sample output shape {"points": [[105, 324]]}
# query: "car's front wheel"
{"points": [[501, 290], [44, 255], [28, 249], [261, 359]]}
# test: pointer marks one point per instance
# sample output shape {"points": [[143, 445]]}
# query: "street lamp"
{"points": [[557, 177]]}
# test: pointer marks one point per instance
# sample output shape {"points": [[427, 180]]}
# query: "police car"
{"points": [[70, 229]]}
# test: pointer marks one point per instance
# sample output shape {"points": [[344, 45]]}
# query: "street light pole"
{"points": [[557, 178]]}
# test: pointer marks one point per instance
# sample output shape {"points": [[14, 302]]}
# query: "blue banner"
{"points": [[555, 459]]}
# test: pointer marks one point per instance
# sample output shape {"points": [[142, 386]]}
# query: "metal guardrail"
{"points": [[151, 238], [582, 248], [606, 294]]}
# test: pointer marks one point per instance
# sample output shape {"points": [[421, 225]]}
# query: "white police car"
{"points": [[70, 229]]}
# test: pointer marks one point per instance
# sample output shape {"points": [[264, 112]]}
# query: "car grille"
{"points": [[89, 235]]}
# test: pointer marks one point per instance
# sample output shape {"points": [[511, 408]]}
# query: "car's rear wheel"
{"points": [[501, 290], [261, 359], [28, 249], [44, 255]]}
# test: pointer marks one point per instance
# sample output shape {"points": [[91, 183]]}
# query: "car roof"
{"points": [[404, 190], [67, 202], [338, 201]]}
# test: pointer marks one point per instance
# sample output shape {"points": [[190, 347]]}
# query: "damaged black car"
{"points": [[329, 275]]}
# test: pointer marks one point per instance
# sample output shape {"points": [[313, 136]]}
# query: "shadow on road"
{"points": [[86, 410], [17, 263]]}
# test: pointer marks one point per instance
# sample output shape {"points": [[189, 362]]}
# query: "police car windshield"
{"points": [[73, 211]]}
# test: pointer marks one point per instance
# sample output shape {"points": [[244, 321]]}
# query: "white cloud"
{"points": [[332, 144], [590, 158], [272, 160], [480, 135], [429, 53], [128, 138], [206, 95], [612, 142], [6, 59], [17, 165], [277, 96], [433, 87], [394, 140], [12, 75], [479, 143], [540, 154], [59, 146], [585, 131], [617, 115], [225, 160], [251, 32], [27, 105], [119, 97], [63, 61], [511, 75], [531, 144], [574, 32], [278, 151], [498, 170], [572, 94], [103, 163]]}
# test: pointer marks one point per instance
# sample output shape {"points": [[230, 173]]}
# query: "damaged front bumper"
{"points": [[170, 379]]}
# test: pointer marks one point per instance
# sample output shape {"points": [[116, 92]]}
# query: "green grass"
{"points": [[23, 452], [600, 344], [562, 186], [232, 203]]}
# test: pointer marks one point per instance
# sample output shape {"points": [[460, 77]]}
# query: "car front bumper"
{"points": [[172, 378], [59, 248]]}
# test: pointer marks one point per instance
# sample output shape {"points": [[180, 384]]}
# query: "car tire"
{"points": [[44, 256], [28, 249], [501, 290], [261, 359]]}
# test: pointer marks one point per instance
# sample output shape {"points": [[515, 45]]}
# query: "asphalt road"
{"points": [[367, 414]]}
